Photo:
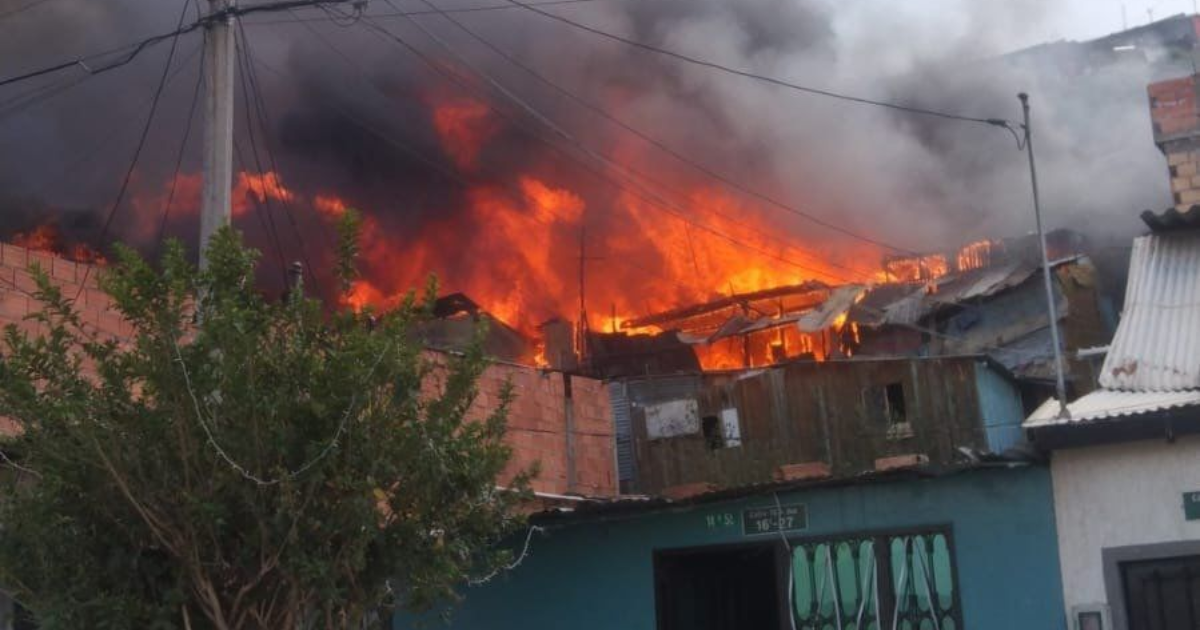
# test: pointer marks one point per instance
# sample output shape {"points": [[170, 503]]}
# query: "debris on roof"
{"points": [[1172, 219]]}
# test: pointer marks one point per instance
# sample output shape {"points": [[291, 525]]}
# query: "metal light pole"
{"points": [[1051, 307]]}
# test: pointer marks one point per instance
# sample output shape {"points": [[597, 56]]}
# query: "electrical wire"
{"points": [[653, 199], [260, 212], [265, 126], [662, 146], [21, 9], [105, 142], [511, 191], [134, 49], [480, 9], [995, 122], [112, 212], [627, 172], [187, 131], [267, 207]]}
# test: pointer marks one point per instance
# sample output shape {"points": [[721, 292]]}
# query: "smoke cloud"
{"points": [[357, 123]]}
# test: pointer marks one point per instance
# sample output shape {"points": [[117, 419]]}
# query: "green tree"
{"points": [[241, 462]]}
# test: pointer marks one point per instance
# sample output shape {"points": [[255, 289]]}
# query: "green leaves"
{"points": [[243, 462]]}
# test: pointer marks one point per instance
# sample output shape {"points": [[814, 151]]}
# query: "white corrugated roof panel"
{"points": [[1157, 345], [1104, 404]]}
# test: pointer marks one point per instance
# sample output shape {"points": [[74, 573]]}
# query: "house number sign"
{"points": [[772, 520]]}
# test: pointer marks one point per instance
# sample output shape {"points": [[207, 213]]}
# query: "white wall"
{"points": [[1119, 495]]}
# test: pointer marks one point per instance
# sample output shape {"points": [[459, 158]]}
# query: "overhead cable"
{"points": [[662, 146], [137, 152], [638, 190], [21, 9], [264, 127], [479, 9], [187, 132], [131, 51], [996, 122]]}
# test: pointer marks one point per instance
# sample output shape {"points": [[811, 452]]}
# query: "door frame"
{"points": [[1114, 585], [775, 547]]}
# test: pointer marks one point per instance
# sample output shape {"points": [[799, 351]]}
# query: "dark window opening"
{"points": [[719, 589], [895, 403], [1162, 594], [710, 426], [886, 406]]}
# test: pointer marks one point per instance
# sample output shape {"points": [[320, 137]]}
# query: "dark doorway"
{"points": [[1162, 594], [718, 589]]}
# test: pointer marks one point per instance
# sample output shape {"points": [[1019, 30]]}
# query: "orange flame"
{"points": [[464, 126]]}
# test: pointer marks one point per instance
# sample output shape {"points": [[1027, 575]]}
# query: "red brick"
{"points": [[13, 306], [802, 472], [899, 462], [13, 256], [63, 269], [688, 490]]}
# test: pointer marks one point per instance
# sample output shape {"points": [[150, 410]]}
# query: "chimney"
{"points": [[1176, 122]]}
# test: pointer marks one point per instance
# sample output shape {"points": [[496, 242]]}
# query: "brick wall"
{"points": [[537, 426], [17, 287], [1173, 107], [537, 422], [1176, 122]]}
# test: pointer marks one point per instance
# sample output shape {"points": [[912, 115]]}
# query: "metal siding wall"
{"points": [[624, 429], [625, 395], [1000, 409]]}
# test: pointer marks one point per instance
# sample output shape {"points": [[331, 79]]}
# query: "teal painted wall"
{"points": [[1000, 408], [599, 576]]}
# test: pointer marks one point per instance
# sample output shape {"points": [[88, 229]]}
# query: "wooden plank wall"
{"points": [[809, 412]]}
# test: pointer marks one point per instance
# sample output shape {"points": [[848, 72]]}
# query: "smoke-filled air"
{"points": [[511, 154]]}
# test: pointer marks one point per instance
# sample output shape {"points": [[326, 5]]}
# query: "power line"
{"points": [[187, 131], [480, 9], [264, 127], [133, 50], [996, 122], [660, 145], [162, 83], [639, 191], [509, 190], [21, 9], [105, 143], [448, 173], [265, 208]]}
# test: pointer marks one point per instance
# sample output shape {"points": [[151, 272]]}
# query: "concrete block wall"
{"points": [[17, 288], [1184, 167], [537, 428], [17, 301], [537, 420]]}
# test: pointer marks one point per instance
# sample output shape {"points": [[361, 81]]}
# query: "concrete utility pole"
{"points": [[1051, 307], [215, 196]]}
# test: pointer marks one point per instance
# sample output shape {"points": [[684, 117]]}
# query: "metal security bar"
{"points": [[901, 582]]}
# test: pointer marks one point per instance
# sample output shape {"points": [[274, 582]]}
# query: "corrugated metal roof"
{"points": [[1157, 344], [827, 312], [1104, 404]]}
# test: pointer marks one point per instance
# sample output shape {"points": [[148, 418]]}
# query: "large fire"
{"points": [[527, 243]]}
